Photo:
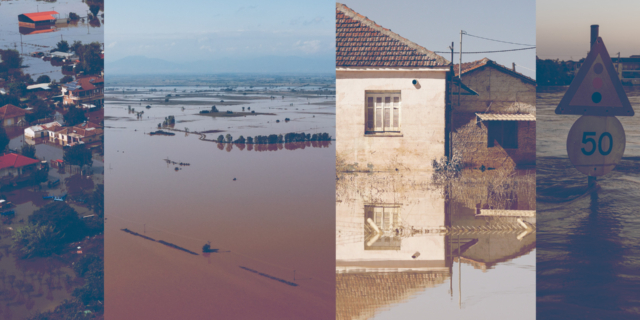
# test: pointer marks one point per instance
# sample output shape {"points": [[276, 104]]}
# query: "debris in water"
{"points": [[234, 179]]}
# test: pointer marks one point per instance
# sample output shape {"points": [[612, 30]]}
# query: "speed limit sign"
{"points": [[596, 144]]}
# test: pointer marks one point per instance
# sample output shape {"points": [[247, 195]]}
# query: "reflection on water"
{"points": [[405, 246], [588, 257]]}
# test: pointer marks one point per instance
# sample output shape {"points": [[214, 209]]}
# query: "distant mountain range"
{"points": [[269, 64]]}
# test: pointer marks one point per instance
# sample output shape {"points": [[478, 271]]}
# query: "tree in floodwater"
{"points": [[28, 151], [229, 138], [78, 155], [4, 139], [220, 139], [63, 46]]}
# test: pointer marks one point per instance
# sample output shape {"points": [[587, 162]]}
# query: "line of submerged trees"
{"points": [[273, 138]]}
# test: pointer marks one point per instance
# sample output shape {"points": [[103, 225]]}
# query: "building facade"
{"points": [[496, 124], [390, 97]]}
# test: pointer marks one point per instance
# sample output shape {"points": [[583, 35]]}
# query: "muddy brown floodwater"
{"points": [[269, 214], [409, 249], [588, 257]]}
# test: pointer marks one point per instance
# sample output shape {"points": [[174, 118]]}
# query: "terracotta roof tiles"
{"points": [[10, 111], [361, 42], [478, 64]]}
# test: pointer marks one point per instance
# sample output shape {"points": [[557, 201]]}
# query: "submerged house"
{"points": [[495, 125], [41, 130], [35, 20], [399, 105], [86, 90], [13, 165], [83, 133], [11, 115]]}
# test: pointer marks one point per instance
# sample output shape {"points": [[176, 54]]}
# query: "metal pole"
{"points": [[460, 67], [594, 34], [591, 181]]}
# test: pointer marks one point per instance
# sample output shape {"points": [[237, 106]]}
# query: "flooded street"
{"points": [[269, 214], [588, 257], [407, 248], [27, 41]]}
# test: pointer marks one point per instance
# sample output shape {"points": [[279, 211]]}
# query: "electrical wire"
{"points": [[519, 44], [496, 51]]}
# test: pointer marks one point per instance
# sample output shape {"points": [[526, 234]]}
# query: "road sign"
{"points": [[596, 90], [596, 144]]}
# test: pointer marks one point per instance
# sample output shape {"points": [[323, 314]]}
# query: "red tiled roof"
{"points": [[88, 83], [10, 111], [15, 160], [41, 16], [478, 64], [361, 42]]}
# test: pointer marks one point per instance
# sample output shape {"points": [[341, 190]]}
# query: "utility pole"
{"points": [[460, 66]]}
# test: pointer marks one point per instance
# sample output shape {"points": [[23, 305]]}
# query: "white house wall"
{"points": [[422, 119]]}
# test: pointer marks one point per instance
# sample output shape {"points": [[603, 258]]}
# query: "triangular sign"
{"points": [[596, 90]]}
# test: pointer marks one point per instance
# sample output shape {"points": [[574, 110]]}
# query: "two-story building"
{"points": [[86, 90], [83, 133]]}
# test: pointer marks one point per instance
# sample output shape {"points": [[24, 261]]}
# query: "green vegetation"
{"points": [[89, 56], [10, 60], [43, 79], [555, 72], [28, 150], [4, 139], [78, 155], [37, 241], [74, 116], [62, 46], [49, 230], [66, 79], [88, 299]]}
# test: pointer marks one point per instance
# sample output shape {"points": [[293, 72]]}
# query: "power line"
{"points": [[520, 44], [487, 51]]}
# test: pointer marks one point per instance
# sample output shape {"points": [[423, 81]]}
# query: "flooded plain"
{"points": [[407, 248], [588, 257], [270, 215], [27, 41]]}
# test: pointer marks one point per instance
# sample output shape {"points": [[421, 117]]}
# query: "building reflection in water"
{"points": [[398, 234]]}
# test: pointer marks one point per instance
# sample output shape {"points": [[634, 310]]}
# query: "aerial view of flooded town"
{"points": [[220, 194], [51, 162]]}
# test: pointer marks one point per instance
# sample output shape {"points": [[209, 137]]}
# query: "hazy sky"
{"points": [[564, 27], [202, 29], [435, 24]]}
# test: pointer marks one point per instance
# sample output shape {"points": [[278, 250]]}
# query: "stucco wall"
{"points": [[422, 119], [498, 92]]}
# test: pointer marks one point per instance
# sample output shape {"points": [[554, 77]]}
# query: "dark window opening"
{"points": [[504, 133]]}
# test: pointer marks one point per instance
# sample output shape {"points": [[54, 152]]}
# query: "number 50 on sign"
{"points": [[596, 144]]}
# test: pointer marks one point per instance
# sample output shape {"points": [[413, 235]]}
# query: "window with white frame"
{"points": [[382, 112]]}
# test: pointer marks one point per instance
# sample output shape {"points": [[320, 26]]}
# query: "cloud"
{"points": [[243, 8], [112, 44], [310, 46]]}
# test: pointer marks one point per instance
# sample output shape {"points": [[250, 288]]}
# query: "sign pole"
{"points": [[591, 180]]}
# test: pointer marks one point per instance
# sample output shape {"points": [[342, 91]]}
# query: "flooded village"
{"points": [[219, 188], [435, 193], [51, 164]]}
